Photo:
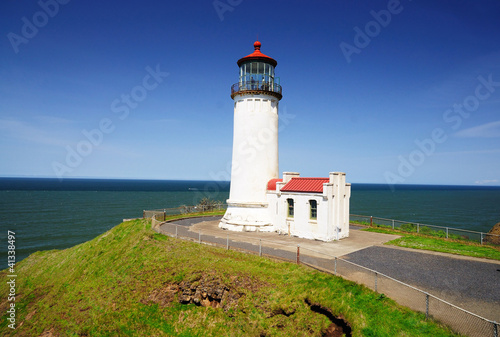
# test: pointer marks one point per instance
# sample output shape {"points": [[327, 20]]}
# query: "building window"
{"points": [[290, 208], [314, 209]]}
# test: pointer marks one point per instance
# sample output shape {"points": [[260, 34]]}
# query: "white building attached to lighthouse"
{"points": [[258, 199]]}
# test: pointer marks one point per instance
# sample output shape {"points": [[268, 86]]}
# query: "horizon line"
{"points": [[227, 181]]}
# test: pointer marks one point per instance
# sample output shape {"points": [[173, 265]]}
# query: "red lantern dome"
{"points": [[257, 56]]}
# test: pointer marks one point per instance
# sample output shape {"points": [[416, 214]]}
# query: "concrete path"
{"points": [[357, 240]]}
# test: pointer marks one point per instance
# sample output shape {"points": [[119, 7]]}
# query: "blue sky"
{"points": [[386, 91]]}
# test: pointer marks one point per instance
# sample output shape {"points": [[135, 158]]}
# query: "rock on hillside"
{"points": [[494, 239]]}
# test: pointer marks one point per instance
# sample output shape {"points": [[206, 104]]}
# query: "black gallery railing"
{"points": [[255, 86]]}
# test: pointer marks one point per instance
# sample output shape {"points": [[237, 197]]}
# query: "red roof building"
{"points": [[312, 208]]}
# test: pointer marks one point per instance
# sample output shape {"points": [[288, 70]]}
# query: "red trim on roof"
{"points": [[311, 185], [257, 56], [271, 184]]}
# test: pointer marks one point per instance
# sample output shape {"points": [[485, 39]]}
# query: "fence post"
{"points": [[260, 247], [418, 228], [227, 242], [426, 305], [371, 221], [481, 237], [176, 236], [298, 254], [447, 232], [392, 223], [376, 281], [335, 267]]}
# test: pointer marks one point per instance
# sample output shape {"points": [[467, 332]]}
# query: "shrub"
{"points": [[426, 230], [408, 227]]}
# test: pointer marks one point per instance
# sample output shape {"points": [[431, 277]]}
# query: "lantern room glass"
{"points": [[256, 75]]}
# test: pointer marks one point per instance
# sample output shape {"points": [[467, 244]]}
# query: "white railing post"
{"points": [[260, 247]]}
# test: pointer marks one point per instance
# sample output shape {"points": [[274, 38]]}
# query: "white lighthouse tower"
{"points": [[255, 143]]}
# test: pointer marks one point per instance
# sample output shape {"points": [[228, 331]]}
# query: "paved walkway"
{"points": [[473, 284], [356, 241]]}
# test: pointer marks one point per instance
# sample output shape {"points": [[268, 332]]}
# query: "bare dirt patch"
{"points": [[206, 291]]}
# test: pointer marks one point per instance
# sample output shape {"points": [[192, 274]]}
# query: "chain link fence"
{"points": [[460, 320], [432, 230], [406, 226]]}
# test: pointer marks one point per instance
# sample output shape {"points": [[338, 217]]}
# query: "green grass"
{"points": [[428, 239], [447, 246], [105, 287]]}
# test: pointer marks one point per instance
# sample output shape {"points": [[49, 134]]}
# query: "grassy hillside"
{"points": [[131, 281]]}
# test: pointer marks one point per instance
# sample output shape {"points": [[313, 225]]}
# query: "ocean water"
{"points": [[52, 214], [474, 208]]}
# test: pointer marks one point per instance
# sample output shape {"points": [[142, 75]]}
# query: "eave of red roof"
{"points": [[308, 185]]}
